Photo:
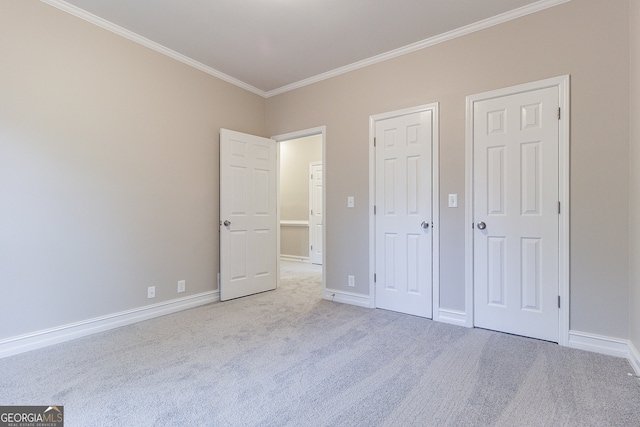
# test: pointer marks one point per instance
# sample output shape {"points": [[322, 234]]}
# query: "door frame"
{"points": [[319, 130], [311, 191], [562, 83], [435, 200]]}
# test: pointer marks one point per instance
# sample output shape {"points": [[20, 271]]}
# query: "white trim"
{"points": [[450, 35], [293, 223], [294, 258], [435, 199], [47, 337], [606, 345], [301, 134], [598, 344], [372, 217], [634, 358], [468, 230], [347, 298], [123, 32], [435, 215], [441, 38], [312, 190], [564, 243], [453, 317], [278, 243], [562, 83], [319, 130]]}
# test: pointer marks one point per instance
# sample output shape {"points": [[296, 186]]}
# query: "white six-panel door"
{"points": [[515, 210], [248, 216], [403, 219], [315, 213]]}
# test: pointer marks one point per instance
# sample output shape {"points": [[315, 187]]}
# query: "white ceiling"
{"points": [[270, 46]]}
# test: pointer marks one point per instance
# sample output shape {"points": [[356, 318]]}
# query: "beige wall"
{"points": [[108, 175], [109, 153], [295, 156], [294, 242], [584, 38], [634, 159]]}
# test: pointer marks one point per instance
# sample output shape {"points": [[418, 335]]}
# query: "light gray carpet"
{"points": [[289, 358]]}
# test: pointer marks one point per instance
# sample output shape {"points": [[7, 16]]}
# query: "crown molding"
{"points": [[459, 32], [110, 26], [477, 26]]}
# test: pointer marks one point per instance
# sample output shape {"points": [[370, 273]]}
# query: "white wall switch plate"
{"points": [[151, 292], [453, 200], [351, 202], [351, 281], [181, 286]]}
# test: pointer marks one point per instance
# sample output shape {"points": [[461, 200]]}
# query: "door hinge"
{"points": [[558, 301], [311, 248], [311, 211], [558, 208], [311, 176], [558, 113], [374, 209], [374, 277], [374, 141]]}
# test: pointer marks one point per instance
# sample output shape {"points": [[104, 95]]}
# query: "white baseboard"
{"points": [[39, 339], [453, 317], [598, 344], [634, 358], [347, 298], [606, 345], [294, 258], [20, 344]]}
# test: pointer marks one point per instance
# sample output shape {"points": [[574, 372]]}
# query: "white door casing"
{"points": [[315, 213], [404, 211], [248, 214], [518, 231]]}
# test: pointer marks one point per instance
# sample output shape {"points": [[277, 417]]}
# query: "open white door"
{"points": [[315, 212], [248, 216]]}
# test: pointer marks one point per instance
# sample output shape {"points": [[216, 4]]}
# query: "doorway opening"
{"points": [[301, 201]]}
